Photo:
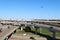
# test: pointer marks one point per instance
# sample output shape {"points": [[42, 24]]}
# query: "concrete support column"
{"points": [[21, 28], [51, 29], [54, 35], [25, 25], [40, 31], [35, 30], [6, 38], [33, 26]]}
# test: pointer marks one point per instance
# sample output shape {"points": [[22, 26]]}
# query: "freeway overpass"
{"points": [[10, 31], [6, 32]]}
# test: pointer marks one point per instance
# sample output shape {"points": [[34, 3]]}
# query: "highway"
{"points": [[7, 31], [56, 29]]}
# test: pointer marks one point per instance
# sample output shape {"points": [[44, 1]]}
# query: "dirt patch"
{"points": [[17, 36]]}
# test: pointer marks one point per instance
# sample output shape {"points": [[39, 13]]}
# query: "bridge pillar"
{"points": [[21, 28], [25, 25], [36, 29], [51, 29], [54, 35], [33, 26], [6, 38]]}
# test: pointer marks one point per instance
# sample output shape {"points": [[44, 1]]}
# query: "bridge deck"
{"points": [[6, 32], [56, 29]]}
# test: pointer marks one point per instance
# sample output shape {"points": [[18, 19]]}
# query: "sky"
{"points": [[30, 9]]}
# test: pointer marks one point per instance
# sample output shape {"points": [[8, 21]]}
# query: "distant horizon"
{"points": [[24, 19]]}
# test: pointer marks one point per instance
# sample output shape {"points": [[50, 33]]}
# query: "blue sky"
{"points": [[30, 9]]}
